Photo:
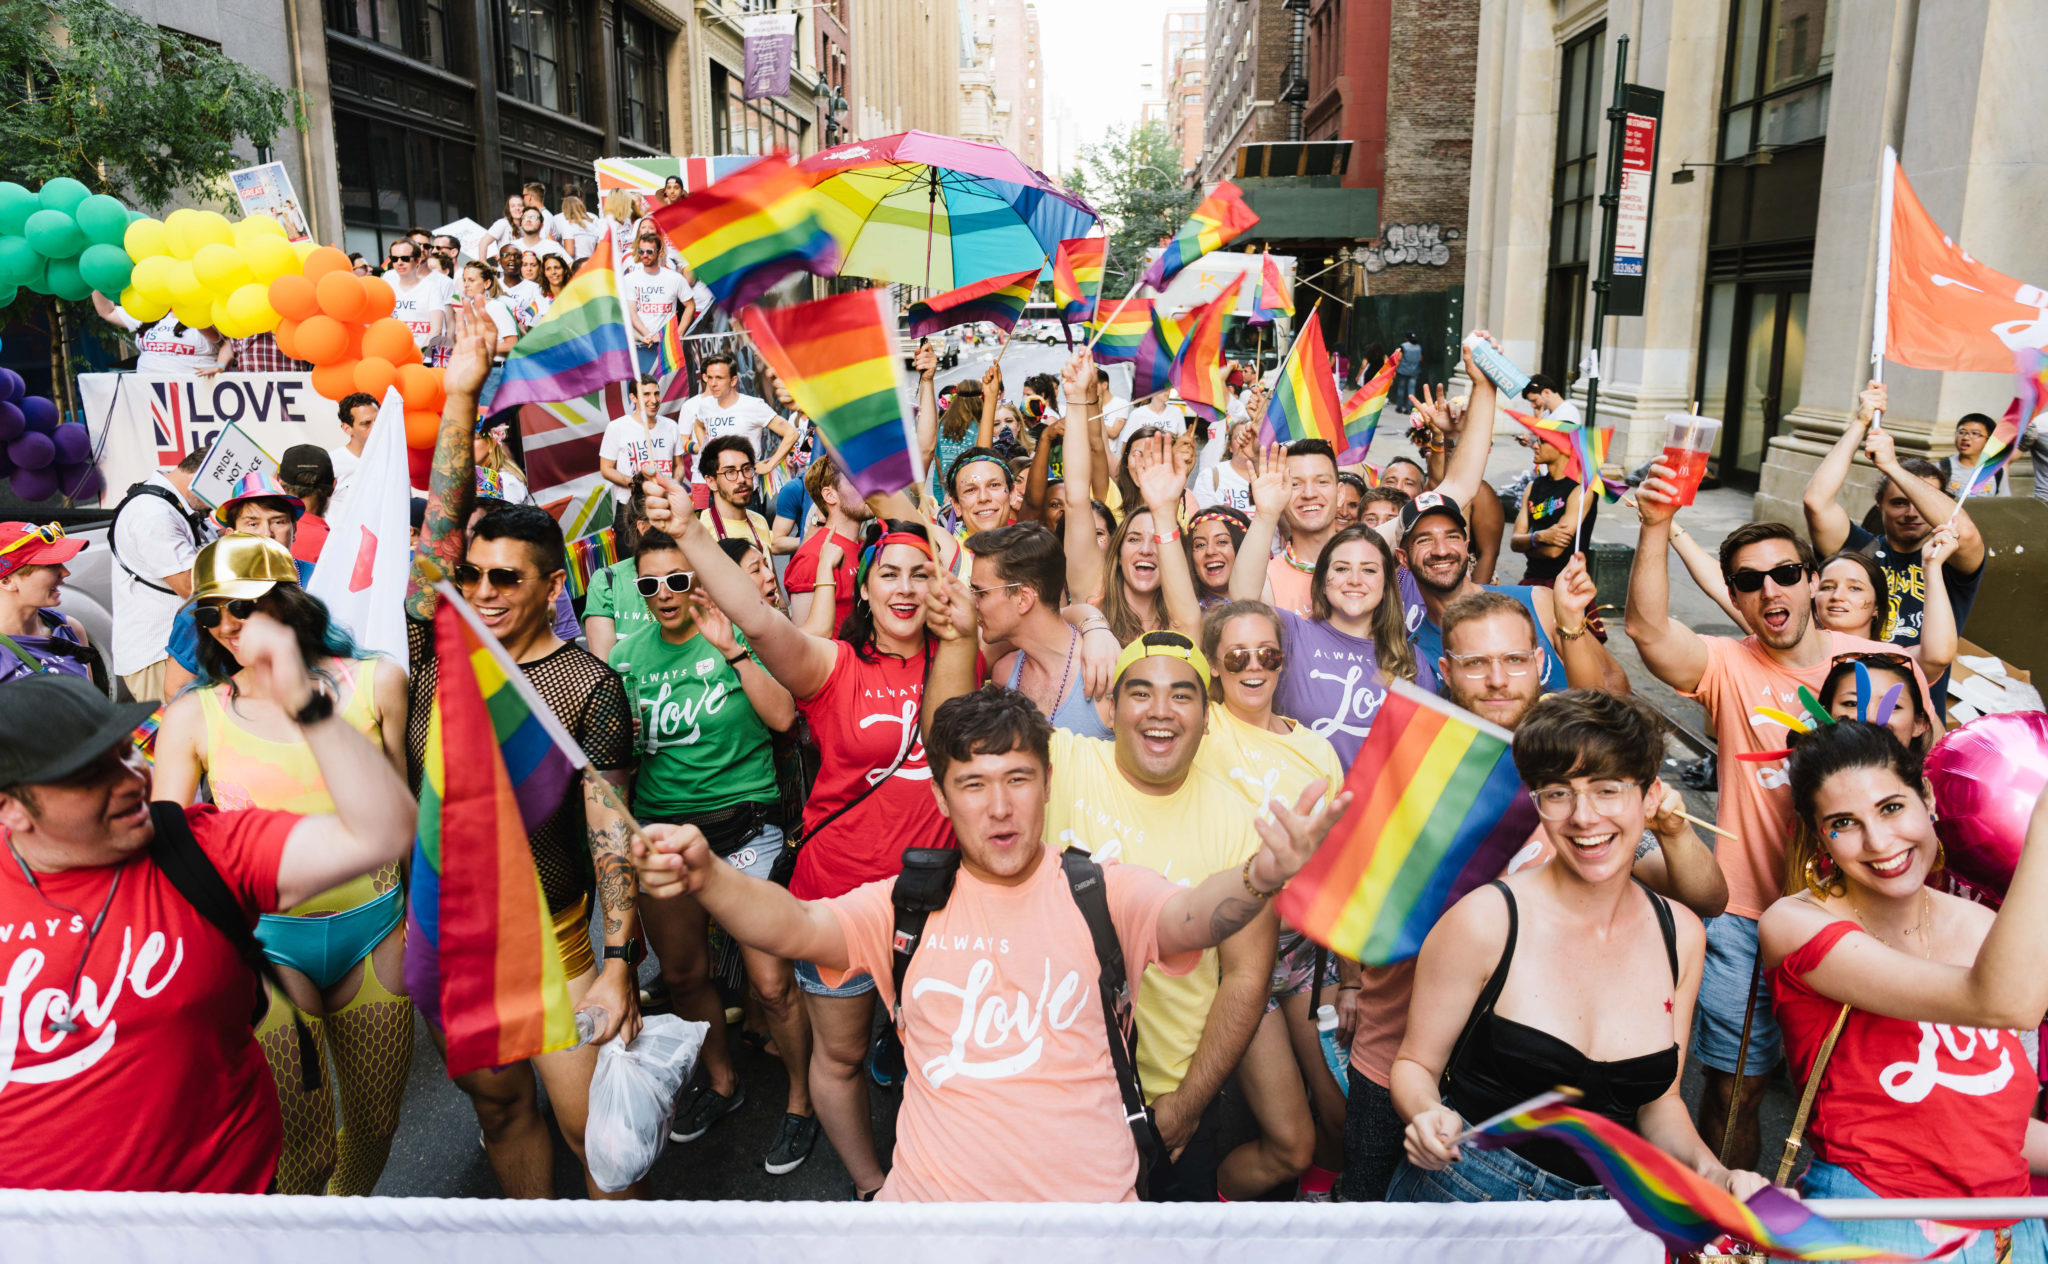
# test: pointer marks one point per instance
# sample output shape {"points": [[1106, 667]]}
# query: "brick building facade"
{"points": [[1249, 51]]}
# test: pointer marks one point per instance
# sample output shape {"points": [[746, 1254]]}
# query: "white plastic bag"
{"points": [[633, 1096]]}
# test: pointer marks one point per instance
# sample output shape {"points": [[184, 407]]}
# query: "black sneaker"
{"points": [[706, 1108], [793, 1142]]}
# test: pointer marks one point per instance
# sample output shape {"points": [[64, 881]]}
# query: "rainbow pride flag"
{"points": [[1437, 810], [749, 231], [1558, 434], [838, 357], [580, 346], [1198, 366], [999, 300], [1591, 450], [668, 349], [1270, 298], [1118, 341], [587, 556], [1362, 411], [1304, 403], [1157, 352], [1677, 1204], [1221, 219], [1077, 277], [497, 765]]}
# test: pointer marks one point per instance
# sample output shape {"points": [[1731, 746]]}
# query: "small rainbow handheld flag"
{"points": [[1437, 810], [578, 348], [1270, 299], [668, 349], [749, 231], [1677, 1204], [838, 357], [1077, 278], [1304, 403], [497, 765], [1157, 352], [1362, 412], [1120, 339], [1198, 366], [587, 556], [1221, 219], [999, 300], [1591, 451]]}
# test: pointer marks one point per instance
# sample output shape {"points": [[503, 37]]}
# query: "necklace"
{"points": [[67, 1024], [1059, 694], [1923, 928], [1287, 551]]}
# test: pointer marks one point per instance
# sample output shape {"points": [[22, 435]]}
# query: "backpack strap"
{"points": [[189, 869], [921, 889], [1091, 896], [114, 527]]}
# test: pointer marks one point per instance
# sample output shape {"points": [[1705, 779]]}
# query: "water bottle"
{"points": [[1334, 1053], [1501, 371], [590, 1021]]}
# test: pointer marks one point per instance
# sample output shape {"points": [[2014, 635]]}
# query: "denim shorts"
{"points": [[756, 856], [1731, 957], [807, 979], [1485, 1176], [1906, 1237]]}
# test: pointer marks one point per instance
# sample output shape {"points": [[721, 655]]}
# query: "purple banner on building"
{"points": [[770, 48]]}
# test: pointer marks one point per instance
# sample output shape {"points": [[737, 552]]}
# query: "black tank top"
{"points": [[1498, 1063]]}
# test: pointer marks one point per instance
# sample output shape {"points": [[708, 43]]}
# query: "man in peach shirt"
{"points": [[1012, 1095]]}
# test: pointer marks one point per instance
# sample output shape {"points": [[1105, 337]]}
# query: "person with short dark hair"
{"points": [[979, 484], [1213, 537], [1350, 498], [1550, 400], [1557, 513], [1404, 474], [1379, 506], [727, 464], [1018, 580], [821, 573], [641, 441], [720, 410], [1972, 434], [306, 471]]}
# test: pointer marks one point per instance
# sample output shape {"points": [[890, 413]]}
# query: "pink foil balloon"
{"points": [[1987, 776]]}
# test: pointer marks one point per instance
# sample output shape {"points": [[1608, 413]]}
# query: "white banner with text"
{"points": [[143, 422]]}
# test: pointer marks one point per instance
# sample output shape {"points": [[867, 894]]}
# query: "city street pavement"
{"points": [[437, 1151]]}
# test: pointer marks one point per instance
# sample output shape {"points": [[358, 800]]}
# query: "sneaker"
{"points": [[793, 1142], [706, 1108], [1321, 1196], [654, 996], [885, 1060]]}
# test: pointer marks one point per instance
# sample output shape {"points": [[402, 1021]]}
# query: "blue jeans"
{"points": [[810, 981], [1372, 1141], [1906, 1237], [1731, 961], [1485, 1176]]}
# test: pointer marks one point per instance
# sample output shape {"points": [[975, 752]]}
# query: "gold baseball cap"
{"points": [[241, 566]]}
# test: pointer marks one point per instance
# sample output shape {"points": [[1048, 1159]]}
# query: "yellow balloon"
{"points": [[270, 257], [178, 233], [304, 249], [185, 288], [209, 228], [216, 265], [249, 307], [142, 307], [145, 238], [151, 278], [256, 226], [198, 314]]}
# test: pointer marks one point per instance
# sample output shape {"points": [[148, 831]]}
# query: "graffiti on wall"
{"points": [[1422, 245]]}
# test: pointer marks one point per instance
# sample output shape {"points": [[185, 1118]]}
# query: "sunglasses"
{"points": [[209, 616], [49, 533], [677, 582], [1269, 658], [1879, 657], [1753, 581], [399, 258], [467, 576]]}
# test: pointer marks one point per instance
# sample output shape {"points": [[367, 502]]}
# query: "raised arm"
{"points": [[1681, 866], [1705, 570], [674, 860], [926, 362], [949, 616], [1672, 650], [1087, 569], [1161, 474], [1587, 664], [1938, 639], [765, 694], [1271, 494], [1826, 521], [1933, 503], [1467, 468], [820, 614], [1038, 478], [451, 487], [991, 398]]}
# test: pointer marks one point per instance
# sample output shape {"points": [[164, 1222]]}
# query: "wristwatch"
{"points": [[632, 952], [318, 707]]}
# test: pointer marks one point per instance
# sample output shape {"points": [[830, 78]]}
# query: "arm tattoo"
{"points": [[451, 490], [611, 829], [1232, 915]]}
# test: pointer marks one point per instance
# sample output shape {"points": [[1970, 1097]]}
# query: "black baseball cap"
{"points": [[306, 464], [52, 726], [1431, 502]]}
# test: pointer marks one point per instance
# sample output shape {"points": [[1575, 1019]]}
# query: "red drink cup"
{"points": [[1688, 442]]}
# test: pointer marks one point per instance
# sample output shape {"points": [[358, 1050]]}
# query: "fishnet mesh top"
{"points": [[590, 701]]}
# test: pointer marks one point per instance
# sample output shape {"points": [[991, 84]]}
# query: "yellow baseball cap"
{"points": [[1163, 645]]}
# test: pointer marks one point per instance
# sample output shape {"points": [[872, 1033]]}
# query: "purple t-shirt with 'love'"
{"points": [[1331, 682]]}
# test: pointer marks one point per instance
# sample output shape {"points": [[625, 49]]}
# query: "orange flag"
{"points": [[1937, 308]]}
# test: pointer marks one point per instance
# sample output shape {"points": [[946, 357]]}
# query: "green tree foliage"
{"points": [[96, 93], [1134, 179]]}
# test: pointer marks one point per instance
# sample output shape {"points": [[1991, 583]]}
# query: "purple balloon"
{"points": [[81, 482], [40, 413], [74, 445], [35, 484], [12, 423], [32, 451], [12, 386], [6, 466]]}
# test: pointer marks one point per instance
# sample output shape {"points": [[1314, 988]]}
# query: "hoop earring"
{"points": [[1940, 858], [1825, 884]]}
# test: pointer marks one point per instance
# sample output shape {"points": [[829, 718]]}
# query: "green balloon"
{"points": [[62, 194], [36, 279], [105, 268], [7, 297], [54, 234], [66, 283], [16, 205], [102, 219], [18, 261]]}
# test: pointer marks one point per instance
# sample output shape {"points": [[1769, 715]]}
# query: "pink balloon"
{"points": [[1987, 776]]}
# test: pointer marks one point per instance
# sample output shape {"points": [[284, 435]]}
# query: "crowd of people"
{"points": [[1009, 767]]}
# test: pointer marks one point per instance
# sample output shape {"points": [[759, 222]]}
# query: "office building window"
{"points": [[1574, 208], [643, 81], [416, 28], [1781, 59], [393, 177], [740, 126], [541, 46]]}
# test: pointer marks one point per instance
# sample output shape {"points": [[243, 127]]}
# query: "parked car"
{"points": [[945, 341]]}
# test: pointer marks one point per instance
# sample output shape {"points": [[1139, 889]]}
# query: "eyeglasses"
{"points": [[1479, 666], [467, 576], [1609, 798], [677, 582], [979, 593], [49, 533], [1753, 581], [207, 615], [742, 472], [1269, 658]]}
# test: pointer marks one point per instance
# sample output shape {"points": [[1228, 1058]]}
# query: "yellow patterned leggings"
{"points": [[363, 1051]]}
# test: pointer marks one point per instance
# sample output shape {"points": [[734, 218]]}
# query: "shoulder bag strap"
{"points": [[1820, 1064], [1489, 994], [804, 836], [114, 529], [1091, 895]]}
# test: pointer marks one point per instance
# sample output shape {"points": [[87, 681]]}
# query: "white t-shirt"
{"points": [[154, 540], [546, 246], [345, 465], [580, 242], [747, 416], [501, 316], [522, 293], [1169, 419], [653, 295], [1223, 485], [1566, 410], [633, 447], [1216, 451], [166, 348], [418, 303]]}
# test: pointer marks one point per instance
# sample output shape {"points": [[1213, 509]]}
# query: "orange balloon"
{"points": [[388, 339], [355, 341], [333, 381], [294, 297], [324, 260], [321, 339], [374, 377], [420, 386], [422, 428], [341, 295], [382, 298], [286, 334]]}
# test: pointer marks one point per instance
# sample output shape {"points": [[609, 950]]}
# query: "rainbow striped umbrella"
{"points": [[939, 212]]}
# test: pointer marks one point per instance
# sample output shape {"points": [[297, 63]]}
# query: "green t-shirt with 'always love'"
{"points": [[702, 747]]}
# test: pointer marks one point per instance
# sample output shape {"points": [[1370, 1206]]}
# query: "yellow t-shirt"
{"points": [[1202, 828], [725, 525], [1263, 765]]}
